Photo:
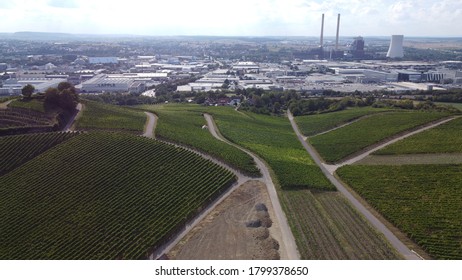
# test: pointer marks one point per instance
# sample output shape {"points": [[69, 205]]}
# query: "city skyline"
{"points": [[238, 18]]}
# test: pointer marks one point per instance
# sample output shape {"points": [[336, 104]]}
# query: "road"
{"points": [[392, 239], [333, 167], [150, 126], [73, 118], [287, 236]]}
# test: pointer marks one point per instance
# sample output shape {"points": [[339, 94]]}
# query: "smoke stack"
{"points": [[338, 29], [322, 31]]}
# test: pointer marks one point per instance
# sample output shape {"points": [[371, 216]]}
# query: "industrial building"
{"points": [[114, 84], [14, 86], [103, 60]]}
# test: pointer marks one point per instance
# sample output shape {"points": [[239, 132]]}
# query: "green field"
{"points": [[32, 104], [15, 150], [345, 141], [446, 138], [421, 200], [182, 124], [103, 196], [100, 116], [314, 124], [455, 105], [273, 139]]}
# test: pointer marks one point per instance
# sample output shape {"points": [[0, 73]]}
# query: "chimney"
{"points": [[338, 29], [322, 32]]}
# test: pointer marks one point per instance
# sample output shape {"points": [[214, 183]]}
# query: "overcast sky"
{"points": [[234, 17]]}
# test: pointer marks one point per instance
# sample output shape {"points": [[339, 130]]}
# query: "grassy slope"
{"points": [[32, 104], [313, 124], [446, 138], [421, 200], [102, 196], [340, 143], [100, 116], [179, 123]]}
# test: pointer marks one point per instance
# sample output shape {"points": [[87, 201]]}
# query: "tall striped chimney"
{"points": [[338, 30], [322, 32]]}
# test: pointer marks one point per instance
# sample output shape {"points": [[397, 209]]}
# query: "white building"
{"points": [[103, 60], [14, 86]]}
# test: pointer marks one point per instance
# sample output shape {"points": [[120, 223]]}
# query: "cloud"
{"points": [[67, 4], [237, 17]]}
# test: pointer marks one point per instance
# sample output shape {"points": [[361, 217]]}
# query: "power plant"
{"points": [[335, 53], [396, 47]]}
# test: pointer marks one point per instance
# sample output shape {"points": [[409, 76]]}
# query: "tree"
{"points": [[27, 90], [52, 97]]}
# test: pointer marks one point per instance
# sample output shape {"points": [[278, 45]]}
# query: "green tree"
{"points": [[51, 97], [27, 91]]}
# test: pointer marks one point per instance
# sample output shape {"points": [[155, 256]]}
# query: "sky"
{"points": [[433, 18]]}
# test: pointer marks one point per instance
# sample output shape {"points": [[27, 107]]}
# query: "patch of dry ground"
{"points": [[239, 228]]}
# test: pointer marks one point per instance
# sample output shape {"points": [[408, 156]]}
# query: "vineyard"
{"points": [[345, 141], [99, 116], [421, 200], [314, 124], [326, 227], [33, 104], [15, 150], [103, 195], [15, 120], [273, 139], [181, 125], [446, 138]]}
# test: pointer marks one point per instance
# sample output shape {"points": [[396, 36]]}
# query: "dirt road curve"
{"points": [[332, 168], [287, 236], [73, 118], [394, 241], [150, 126], [4, 105]]}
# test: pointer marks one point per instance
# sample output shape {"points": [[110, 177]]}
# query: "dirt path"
{"points": [[288, 246], [163, 250], [394, 241], [4, 105], [332, 168], [71, 121], [150, 126]]}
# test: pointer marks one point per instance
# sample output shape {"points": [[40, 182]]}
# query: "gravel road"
{"points": [[287, 236], [394, 241]]}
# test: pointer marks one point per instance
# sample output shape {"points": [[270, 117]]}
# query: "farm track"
{"points": [[70, 123], [394, 241], [288, 241], [4, 105], [333, 167], [163, 250]]}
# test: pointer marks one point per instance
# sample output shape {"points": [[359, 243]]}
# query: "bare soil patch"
{"points": [[240, 228]]}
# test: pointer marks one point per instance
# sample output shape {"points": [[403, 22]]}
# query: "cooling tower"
{"points": [[396, 47]]}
